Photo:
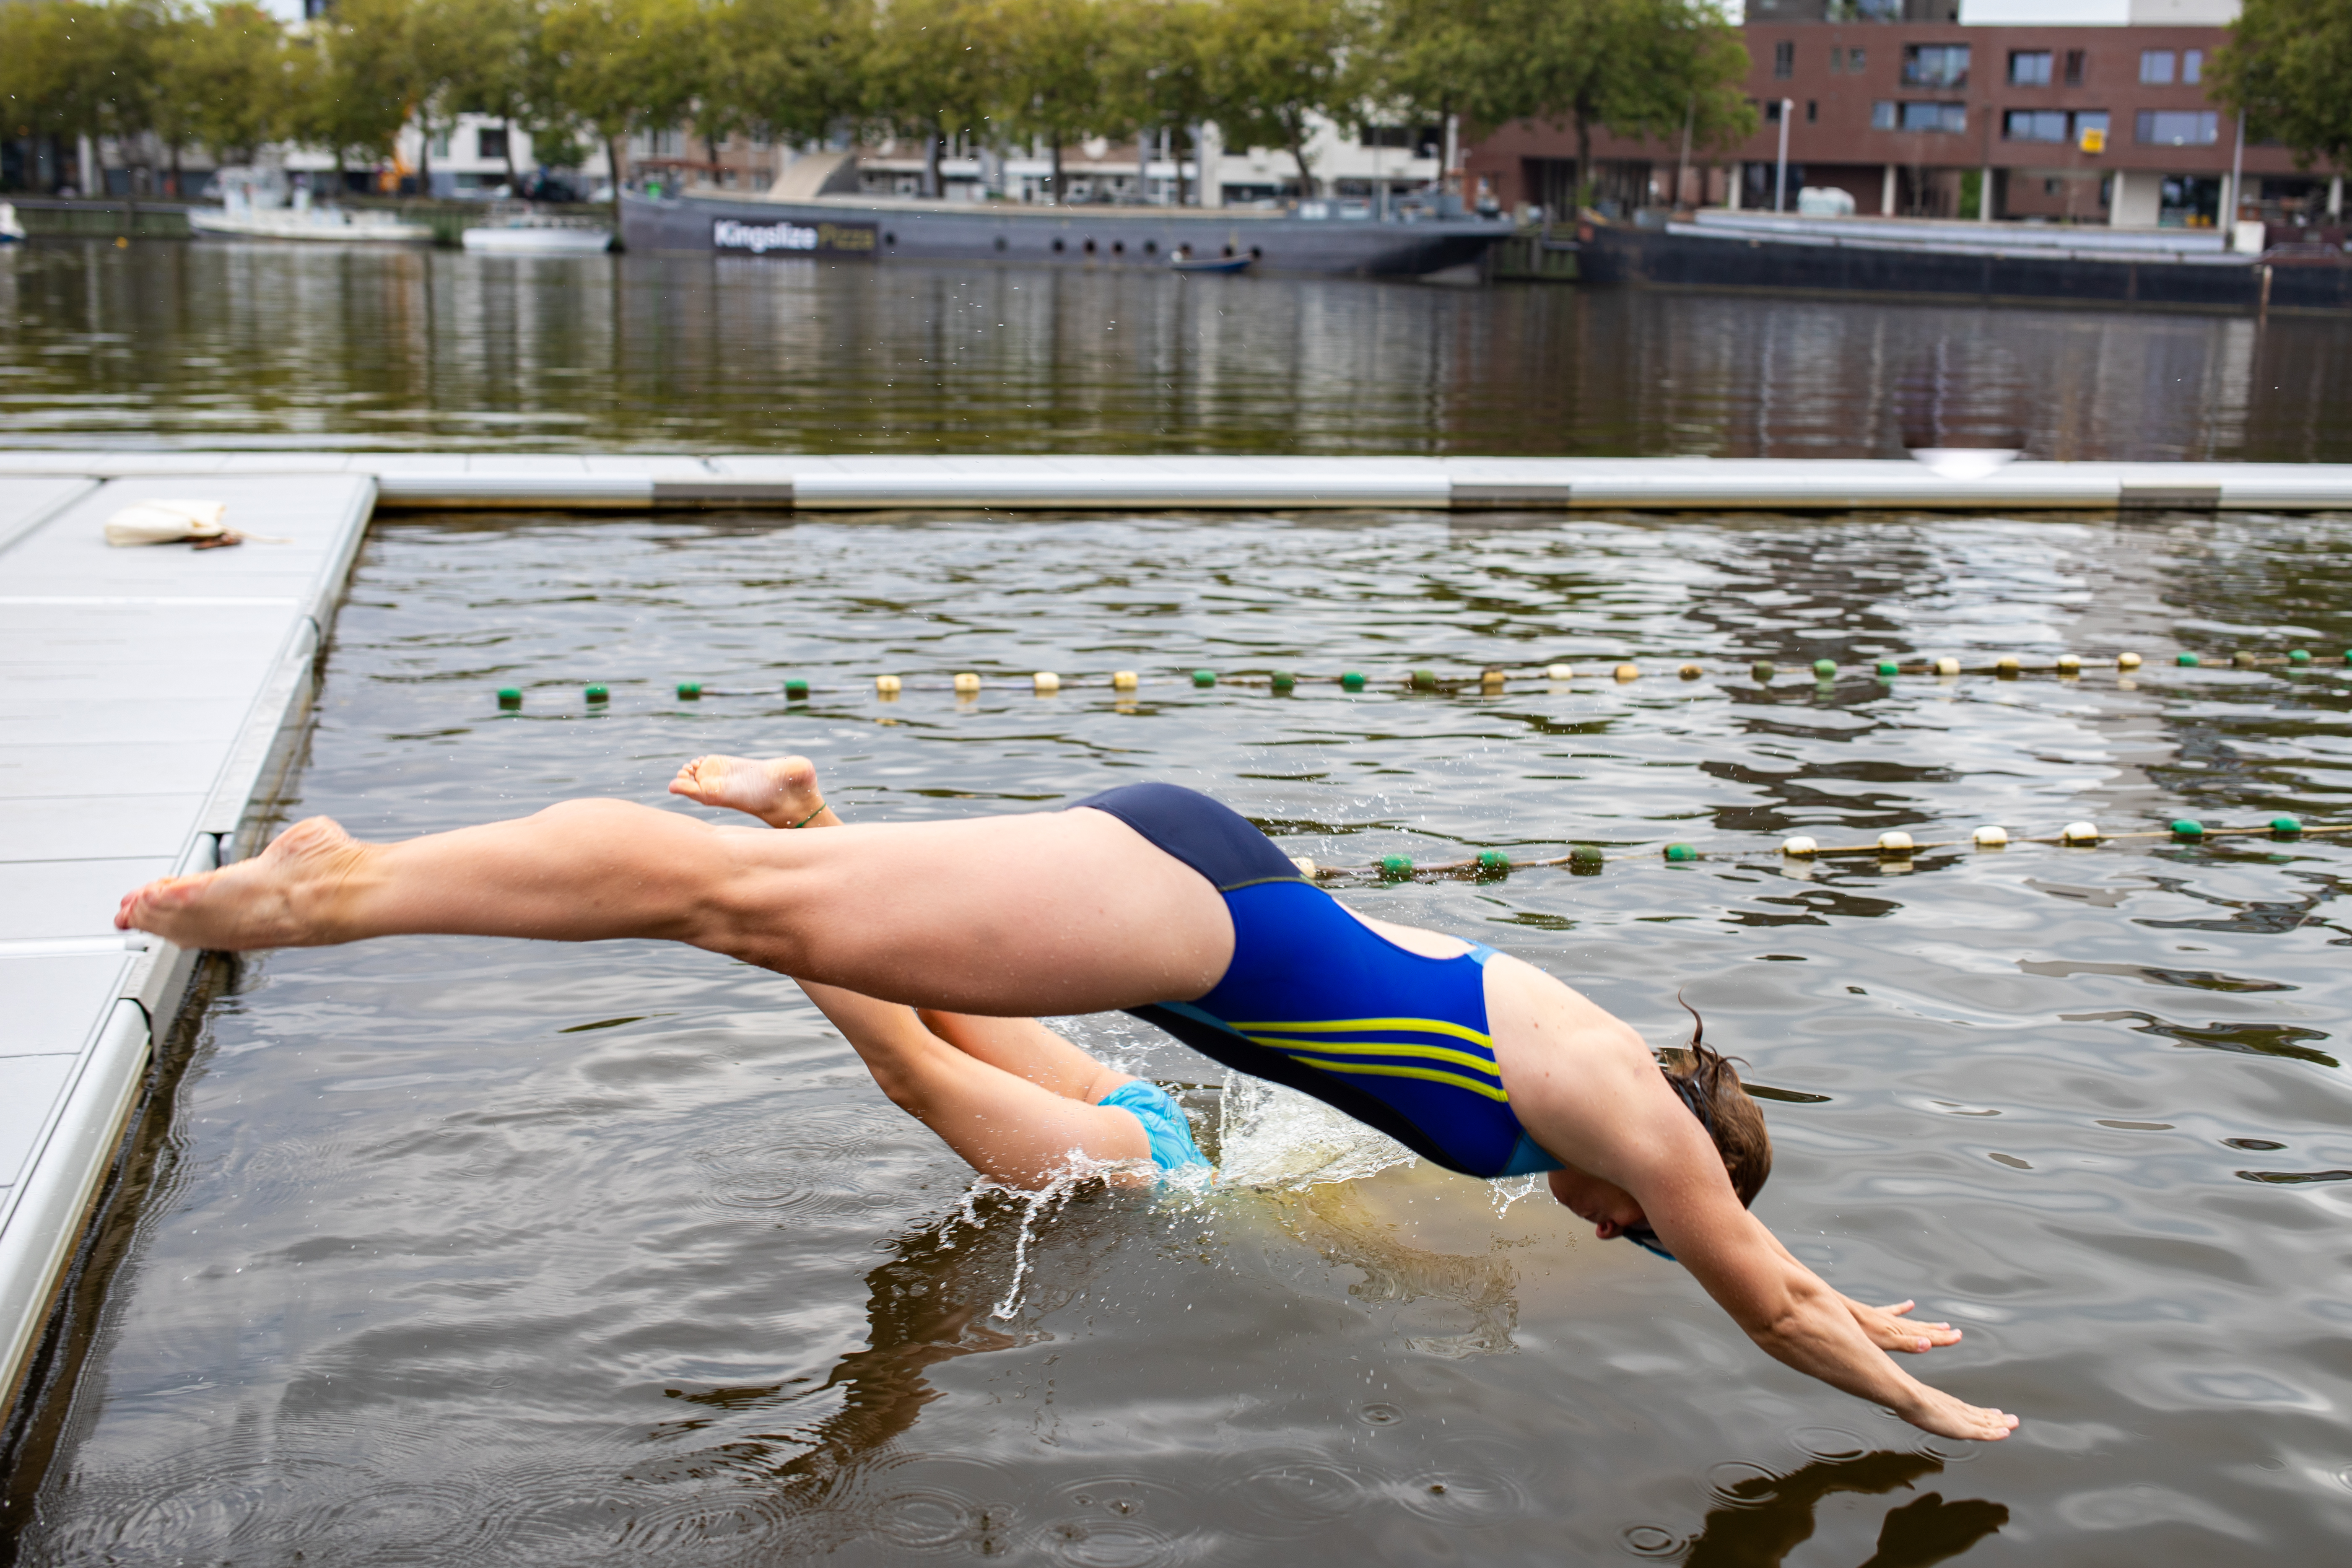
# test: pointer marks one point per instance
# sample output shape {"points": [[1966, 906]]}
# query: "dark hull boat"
{"points": [[1989, 264], [848, 227]]}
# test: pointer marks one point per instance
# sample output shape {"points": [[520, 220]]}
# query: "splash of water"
{"points": [[1269, 1136], [1038, 1206]]}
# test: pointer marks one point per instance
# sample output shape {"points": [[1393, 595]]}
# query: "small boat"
{"points": [[1209, 263], [534, 234], [12, 229], [251, 209]]}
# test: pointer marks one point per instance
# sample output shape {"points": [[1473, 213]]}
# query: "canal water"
{"points": [[260, 347], [469, 1252]]}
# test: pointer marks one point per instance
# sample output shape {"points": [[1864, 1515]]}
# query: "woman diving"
{"points": [[1151, 898]]}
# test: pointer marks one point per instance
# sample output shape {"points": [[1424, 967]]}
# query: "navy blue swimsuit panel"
{"points": [[1317, 1001]]}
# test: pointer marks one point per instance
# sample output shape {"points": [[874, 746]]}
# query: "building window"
{"points": [[2051, 124], [1773, 112], [2076, 60], [1784, 58], [1812, 111], [2192, 65], [2028, 67], [2156, 68], [1935, 65], [1837, 59], [1855, 59], [491, 143], [441, 144], [1887, 115], [2180, 127], [666, 143]]}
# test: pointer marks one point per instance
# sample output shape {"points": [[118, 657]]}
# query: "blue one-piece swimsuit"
{"points": [[1317, 1000]]}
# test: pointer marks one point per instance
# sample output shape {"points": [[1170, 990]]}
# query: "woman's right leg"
{"points": [[1005, 1125], [1012, 1096], [1056, 912]]}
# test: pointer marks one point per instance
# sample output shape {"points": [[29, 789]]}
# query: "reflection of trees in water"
{"points": [[1331, 1219], [925, 1305], [1764, 1518]]}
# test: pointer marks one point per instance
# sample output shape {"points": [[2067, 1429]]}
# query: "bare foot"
{"points": [[780, 792], [277, 898]]}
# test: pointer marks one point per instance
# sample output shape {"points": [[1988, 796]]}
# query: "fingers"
{"points": [[1949, 1418]]}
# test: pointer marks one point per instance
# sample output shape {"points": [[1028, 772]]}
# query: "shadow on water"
{"points": [[1762, 1519], [802, 1444]]}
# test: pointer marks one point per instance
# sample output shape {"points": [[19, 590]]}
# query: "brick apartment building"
{"points": [[2065, 111]]}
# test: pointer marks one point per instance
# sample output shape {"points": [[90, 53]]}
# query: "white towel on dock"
{"points": [[166, 522]]}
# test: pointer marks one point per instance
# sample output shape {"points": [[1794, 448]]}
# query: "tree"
{"points": [[791, 68], [1638, 68], [1053, 64], [1162, 66], [616, 66], [1280, 64], [360, 79], [490, 50], [930, 73], [2288, 67], [71, 71], [229, 81]]}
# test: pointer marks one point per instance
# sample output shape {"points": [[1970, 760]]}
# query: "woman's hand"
{"points": [[1937, 1412], [1881, 1327]]}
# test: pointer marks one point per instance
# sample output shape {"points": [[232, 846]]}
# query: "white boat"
{"points": [[12, 230], [534, 234], [255, 207]]}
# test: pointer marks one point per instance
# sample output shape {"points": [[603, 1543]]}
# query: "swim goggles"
{"points": [[1643, 1236]]}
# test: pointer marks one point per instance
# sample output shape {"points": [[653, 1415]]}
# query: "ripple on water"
{"points": [[931, 1503], [1828, 1443], [1271, 1494], [1471, 1486], [211, 1500], [1650, 1541], [1122, 1521]]}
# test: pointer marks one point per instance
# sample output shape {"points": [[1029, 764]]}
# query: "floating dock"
{"points": [[154, 694], [151, 695], [897, 483]]}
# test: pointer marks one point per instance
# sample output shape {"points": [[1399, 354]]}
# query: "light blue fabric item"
{"points": [[1163, 1123]]}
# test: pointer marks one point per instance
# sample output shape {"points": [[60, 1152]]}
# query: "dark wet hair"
{"points": [[1704, 1080]]}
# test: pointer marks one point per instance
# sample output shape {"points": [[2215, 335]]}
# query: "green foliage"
{"points": [[1638, 68], [1278, 63], [230, 80], [71, 69], [2289, 67], [226, 75]]}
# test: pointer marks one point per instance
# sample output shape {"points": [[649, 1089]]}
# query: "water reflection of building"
{"points": [[2067, 111]]}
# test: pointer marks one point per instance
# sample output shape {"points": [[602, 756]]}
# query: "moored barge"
{"points": [[2158, 270], [1318, 237]]}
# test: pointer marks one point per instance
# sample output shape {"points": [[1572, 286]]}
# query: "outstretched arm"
{"points": [[1789, 1310]]}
